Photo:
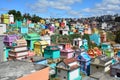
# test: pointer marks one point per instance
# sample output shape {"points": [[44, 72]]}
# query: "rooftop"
{"points": [[12, 70]]}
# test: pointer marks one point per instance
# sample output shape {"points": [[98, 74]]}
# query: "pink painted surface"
{"points": [[31, 53], [67, 53]]}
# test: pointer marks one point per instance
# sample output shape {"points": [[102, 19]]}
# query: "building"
{"points": [[5, 18], [39, 47], [103, 36], [84, 60], [115, 70], [100, 64], [65, 50], [63, 31], [31, 38], [2, 47], [68, 69], [21, 70], [2, 28], [85, 44], [11, 18], [23, 30], [52, 52], [105, 46], [46, 38], [95, 38], [9, 39], [77, 42]]}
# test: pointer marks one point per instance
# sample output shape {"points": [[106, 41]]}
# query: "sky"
{"points": [[62, 8]]}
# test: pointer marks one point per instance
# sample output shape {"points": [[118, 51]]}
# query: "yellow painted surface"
{"points": [[39, 47]]}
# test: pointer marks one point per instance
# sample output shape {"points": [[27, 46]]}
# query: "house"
{"points": [[52, 52], [52, 27], [11, 18], [23, 30], [5, 18], [109, 53], [65, 50], [85, 44], [9, 39], [18, 23], [115, 70], [20, 50], [84, 60], [2, 28], [46, 38], [31, 38], [2, 49], [39, 47], [20, 42], [22, 70], [94, 52], [107, 49], [96, 38], [100, 64], [77, 42], [63, 31], [103, 36], [104, 25], [105, 46], [68, 69], [31, 25], [116, 48]]}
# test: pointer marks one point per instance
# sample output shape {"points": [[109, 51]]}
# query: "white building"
{"points": [[11, 18], [2, 28]]}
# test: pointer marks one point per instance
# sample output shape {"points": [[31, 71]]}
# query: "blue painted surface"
{"points": [[24, 30], [51, 53], [31, 25], [118, 53], [105, 46], [85, 44], [18, 23], [96, 38], [44, 62], [53, 65], [84, 60]]}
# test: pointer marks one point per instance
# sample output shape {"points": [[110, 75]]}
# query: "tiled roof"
{"points": [[68, 61]]}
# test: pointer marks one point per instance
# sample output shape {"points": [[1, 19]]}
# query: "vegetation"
{"points": [[117, 39], [19, 16]]}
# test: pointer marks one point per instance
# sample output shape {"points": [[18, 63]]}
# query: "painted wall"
{"points": [[1, 48], [2, 28], [74, 74], [62, 74], [24, 30], [38, 75]]}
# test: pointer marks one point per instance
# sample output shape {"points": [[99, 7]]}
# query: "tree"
{"points": [[27, 16], [117, 19], [117, 39], [35, 18], [17, 14]]}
